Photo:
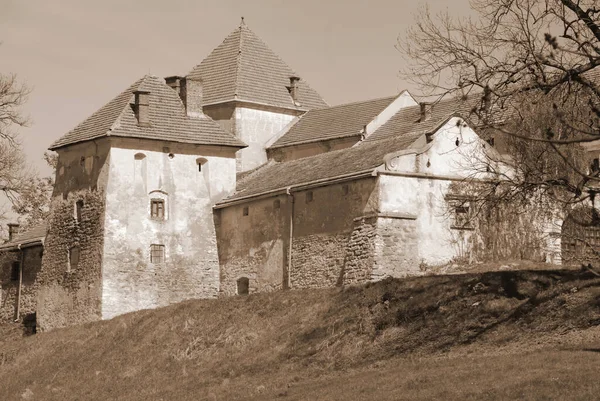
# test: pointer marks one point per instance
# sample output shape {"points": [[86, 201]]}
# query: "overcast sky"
{"points": [[78, 54]]}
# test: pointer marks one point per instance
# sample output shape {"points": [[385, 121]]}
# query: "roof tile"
{"points": [[333, 122], [275, 176], [168, 120], [244, 68]]}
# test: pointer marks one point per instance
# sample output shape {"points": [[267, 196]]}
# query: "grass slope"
{"points": [[504, 335]]}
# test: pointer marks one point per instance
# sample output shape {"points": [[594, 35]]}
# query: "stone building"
{"points": [[238, 178]]}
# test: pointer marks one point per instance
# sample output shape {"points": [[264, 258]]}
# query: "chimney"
{"points": [[294, 89], [191, 95], [175, 83], [425, 111], [142, 107], [13, 230]]}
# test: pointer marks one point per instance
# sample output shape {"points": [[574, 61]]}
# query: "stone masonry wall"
{"points": [[32, 262], [360, 252], [396, 248], [71, 294], [254, 245], [318, 260], [323, 226]]}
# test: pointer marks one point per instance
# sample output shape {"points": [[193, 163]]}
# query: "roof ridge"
{"points": [[238, 61], [359, 102]]}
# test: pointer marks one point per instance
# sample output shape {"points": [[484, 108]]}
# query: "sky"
{"points": [[76, 55]]}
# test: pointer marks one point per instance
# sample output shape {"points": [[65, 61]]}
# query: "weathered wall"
{"points": [[255, 127], [396, 248], [71, 297], [254, 245], [191, 268], [323, 228], [310, 149], [360, 251], [32, 263]]}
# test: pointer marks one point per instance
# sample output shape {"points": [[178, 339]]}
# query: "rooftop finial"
{"points": [[242, 23]]}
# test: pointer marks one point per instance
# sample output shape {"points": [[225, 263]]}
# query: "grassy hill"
{"points": [[505, 335]]}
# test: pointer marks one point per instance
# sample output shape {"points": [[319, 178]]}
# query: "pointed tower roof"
{"points": [[244, 68], [168, 120]]}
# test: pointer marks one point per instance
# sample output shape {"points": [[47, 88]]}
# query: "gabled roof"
{"points": [[333, 122], [359, 158], [407, 120], [168, 120], [32, 237], [244, 68]]}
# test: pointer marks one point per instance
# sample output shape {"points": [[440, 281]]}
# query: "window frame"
{"points": [[162, 256], [159, 212]]}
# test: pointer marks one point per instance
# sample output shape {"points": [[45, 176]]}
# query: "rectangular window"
{"points": [[157, 209], [15, 271], [78, 209], [309, 196], [73, 258], [245, 212], [462, 216], [157, 253]]}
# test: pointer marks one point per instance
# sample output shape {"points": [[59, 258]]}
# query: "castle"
{"points": [[239, 178]]}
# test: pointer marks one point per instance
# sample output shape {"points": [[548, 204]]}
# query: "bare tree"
{"points": [[21, 185], [528, 69]]}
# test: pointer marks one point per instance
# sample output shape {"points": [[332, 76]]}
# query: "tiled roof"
{"points": [[168, 119], [275, 176], [407, 120], [32, 236], [244, 68], [333, 122]]}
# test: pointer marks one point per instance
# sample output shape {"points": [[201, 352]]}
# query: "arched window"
{"points": [[243, 286]]}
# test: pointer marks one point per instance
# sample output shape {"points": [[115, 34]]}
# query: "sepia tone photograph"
{"points": [[299, 200]]}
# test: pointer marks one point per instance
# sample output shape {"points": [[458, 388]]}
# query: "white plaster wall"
{"points": [[256, 128], [191, 270], [424, 199]]}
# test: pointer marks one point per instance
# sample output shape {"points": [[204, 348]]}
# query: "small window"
{"points": [[276, 204], [15, 271], [78, 209], [82, 161], [309, 196], [462, 216], [245, 211], [491, 141], [157, 253], [139, 156], [595, 166], [157, 209], [243, 286], [345, 189], [73, 258], [201, 161]]}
